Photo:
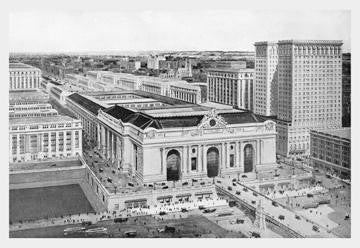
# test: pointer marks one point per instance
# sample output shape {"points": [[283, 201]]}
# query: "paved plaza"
{"points": [[46, 202]]}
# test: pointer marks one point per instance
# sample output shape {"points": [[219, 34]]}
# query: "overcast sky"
{"points": [[75, 31]]}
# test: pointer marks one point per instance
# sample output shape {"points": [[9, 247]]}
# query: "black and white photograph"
{"points": [[179, 120]]}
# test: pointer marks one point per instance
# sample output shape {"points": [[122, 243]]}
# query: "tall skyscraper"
{"points": [[309, 92], [265, 83], [300, 82]]}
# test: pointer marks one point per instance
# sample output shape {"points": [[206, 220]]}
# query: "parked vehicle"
{"points": [[238, 192], [162, 213], [206, 211], [281, 217], [86, 223], [120, 220], [169, 229], [275, 204], [130, 234], [229, 188], [316, 229]]}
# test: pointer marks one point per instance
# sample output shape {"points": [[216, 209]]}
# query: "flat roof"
{"points": [[40, 120], [344, 132], [232, 69], [21, 66]]}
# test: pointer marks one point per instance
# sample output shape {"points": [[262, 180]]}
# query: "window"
{"points": [[231, 160], [193, 164]]}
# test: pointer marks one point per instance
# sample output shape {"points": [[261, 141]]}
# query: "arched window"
{"points": [[248, 158], [173, 164], [212, 162]]}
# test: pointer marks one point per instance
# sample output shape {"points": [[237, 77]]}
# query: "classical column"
{"points": [[237, 155], [163, 160], [98, 136], [199, 159], [241, 159], [188, 159], [258, 152], [223, 156], [204, 166]]}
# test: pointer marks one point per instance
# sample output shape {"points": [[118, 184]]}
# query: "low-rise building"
{"points": [[330, 150], [32, 139], [23, 77]]}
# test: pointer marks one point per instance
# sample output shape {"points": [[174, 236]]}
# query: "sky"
{"points": [[144, 30]]}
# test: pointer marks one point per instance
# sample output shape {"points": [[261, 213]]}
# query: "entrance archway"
{"points": [[173, 163], [212, 162], [248, 158]]}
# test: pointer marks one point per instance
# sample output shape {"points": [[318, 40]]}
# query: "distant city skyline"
{"points": [[76, 31]]}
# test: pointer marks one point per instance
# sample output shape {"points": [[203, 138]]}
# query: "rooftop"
{"points": [[344, 132], [40, 120], [86, 103], [232, 69], [15, 66]]}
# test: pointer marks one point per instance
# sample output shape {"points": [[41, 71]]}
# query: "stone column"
{"points": [[258, 152], [200, 166], [204, 153], [188, 159], [223, 156], [241, 156], [237, 154]]}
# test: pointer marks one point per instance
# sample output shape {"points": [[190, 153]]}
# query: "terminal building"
{"points": [[331, 151], [38, 139], [176, 140], [23, 77]]}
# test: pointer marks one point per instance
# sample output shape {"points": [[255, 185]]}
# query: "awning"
{"points": [[164, 197], [204, 193], [136, 200], [184, 195]]}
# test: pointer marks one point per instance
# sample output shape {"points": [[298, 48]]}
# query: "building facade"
{"points": [[309, 92], [265, 81], [331, 151], [200, 145], [36, 139], [231, 87], [23, 77]]}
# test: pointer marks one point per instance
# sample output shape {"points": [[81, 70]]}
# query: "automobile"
{"points": [[53, 165], [169, 229], [194, 180], [244, 176], [101, 169], [254, 194], [240, 221], [165, 187], [232, 204], [317, 170], [209, 210], [238, 192], [347, 217], [328, 176], [218, 181], [86, 223], [245, 190], [309, 195], [316, 229], [255, 235], [185, 183], [253, 202], [184, 210], [201, 207], [234, 180], [131, 184], [234, 184], [109, 180], [297, 217], [202, 183], [150, 186], [276, 175], [120, 220], [281, 217], [162, 213], [130, 234], [229, 188]]}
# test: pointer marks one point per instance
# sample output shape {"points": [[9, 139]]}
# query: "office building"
{"points": [[331, 151], [23, 77], [36, 139], [231, 86]]}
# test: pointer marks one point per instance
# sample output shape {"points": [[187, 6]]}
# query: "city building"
{"points": [[32, 113], [35, 139], [185, 91], [265, 81], [231, 86], [309, 92], [331, 151], [346, 90], [153, 61], [23, 77], [21, 97]]}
